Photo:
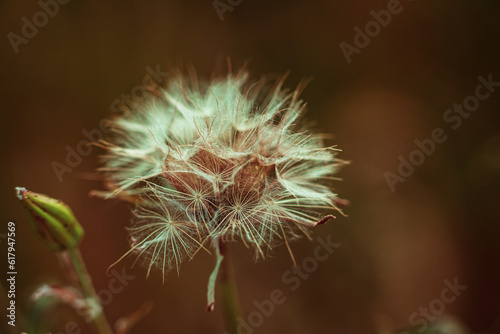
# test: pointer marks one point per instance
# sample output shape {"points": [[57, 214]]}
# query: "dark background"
{"points": [[397, 247]]}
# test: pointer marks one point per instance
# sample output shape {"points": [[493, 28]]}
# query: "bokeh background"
{"points": [[398, 247]]}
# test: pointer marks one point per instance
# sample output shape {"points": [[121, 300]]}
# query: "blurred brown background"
{"points": [[397, 247]]}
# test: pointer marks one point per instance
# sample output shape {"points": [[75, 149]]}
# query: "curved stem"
{"points": [[230, 305], [99, 319]]}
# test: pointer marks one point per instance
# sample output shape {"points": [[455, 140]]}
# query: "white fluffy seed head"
{"points": [[218, 161]]}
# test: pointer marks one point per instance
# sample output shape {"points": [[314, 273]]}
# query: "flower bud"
{"points": [[53, 220]]}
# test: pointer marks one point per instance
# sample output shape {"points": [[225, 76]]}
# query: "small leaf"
{"points": [[124, 324], [65, 295], [212, 280]]}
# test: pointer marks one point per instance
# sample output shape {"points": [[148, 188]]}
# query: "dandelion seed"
{"points": [[205, 165]]}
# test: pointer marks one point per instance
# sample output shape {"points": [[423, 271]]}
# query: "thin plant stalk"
{"points": [[99, 319], [230, 304]]}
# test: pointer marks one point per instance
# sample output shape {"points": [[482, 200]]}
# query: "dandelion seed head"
{"points": [[221, 161]]}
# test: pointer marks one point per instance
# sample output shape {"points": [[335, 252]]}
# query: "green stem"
{"points": [[230, 305], [99, 320]]}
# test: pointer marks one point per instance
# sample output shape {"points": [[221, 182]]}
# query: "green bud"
{"points": [[53, 220]]}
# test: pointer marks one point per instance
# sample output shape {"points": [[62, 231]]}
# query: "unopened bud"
{"points": [[53, 220]]}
